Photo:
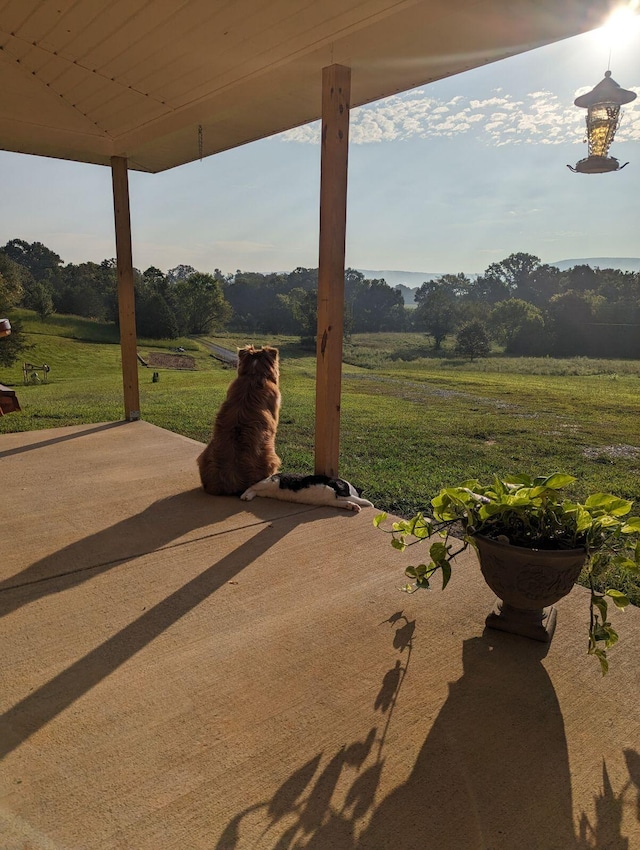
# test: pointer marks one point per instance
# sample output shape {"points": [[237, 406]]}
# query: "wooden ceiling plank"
{"points": [[298, 33], [114, 52], [110, 26], [58, 69], [212, 37], [90, 91], [53, 73], [70, 26], [98, 102], [46, 15], [154, 49], [263, 35], [126, 117], [25, 100], [33, 58], [14, 13], [67, 36], [15, 48]]}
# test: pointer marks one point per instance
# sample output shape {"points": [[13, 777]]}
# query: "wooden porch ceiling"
{"points": [[87, 80]]}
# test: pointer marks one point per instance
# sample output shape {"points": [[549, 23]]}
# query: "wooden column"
{"points": [[336, 92], [126, 301]]}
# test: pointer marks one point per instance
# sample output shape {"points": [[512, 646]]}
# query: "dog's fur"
{"points": [[242, 448]]}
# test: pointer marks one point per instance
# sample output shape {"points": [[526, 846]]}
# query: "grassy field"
{"points": [[411, 422]]}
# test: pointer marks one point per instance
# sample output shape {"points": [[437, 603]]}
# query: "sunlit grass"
{"points": [[408, 428]]}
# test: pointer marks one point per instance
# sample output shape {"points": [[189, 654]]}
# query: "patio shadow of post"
{"points": [[155, 528], [62, 438], [49, 700]]}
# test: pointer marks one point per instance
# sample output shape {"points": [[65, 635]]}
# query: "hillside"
{"points": [[625, 264], [411, 280]]}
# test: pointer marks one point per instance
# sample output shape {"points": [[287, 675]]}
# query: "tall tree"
{"points": [[12, 282], [374, 306], [306, 313], [572, 315], [181, 272], [472, 340], [580, 278], [38, 297], [87, 289], [33, 256], [540, 285], [201, 304], [154, 318], [459, 284], [303, 278], [486, 289], [514, 270], [437, 312], [518, 325], [11, 292]]}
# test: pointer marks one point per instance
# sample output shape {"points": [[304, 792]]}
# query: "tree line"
{"points": [[524, 305], [535, 309]]}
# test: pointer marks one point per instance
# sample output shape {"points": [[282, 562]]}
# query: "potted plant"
{"points": [[532, 543]]}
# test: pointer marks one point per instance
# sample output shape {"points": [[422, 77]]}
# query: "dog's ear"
{"points": [[272, 353], [242, 352]]}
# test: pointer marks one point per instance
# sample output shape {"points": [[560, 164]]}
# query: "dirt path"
{"points": [[220, 353]]}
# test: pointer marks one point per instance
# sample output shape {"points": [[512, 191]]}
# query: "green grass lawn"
{"points": [[410, 424]]}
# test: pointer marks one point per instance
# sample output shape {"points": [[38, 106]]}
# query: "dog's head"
{"points": [[259, 363]]}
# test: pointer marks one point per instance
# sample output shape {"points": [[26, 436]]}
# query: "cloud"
{"points": [[541, 117], [308, 134]]}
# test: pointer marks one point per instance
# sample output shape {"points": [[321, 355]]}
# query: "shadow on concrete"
{"points": [[311, 808], [493, 772], [151, 530], [494, 768], [632, 758], [49, 700], [62, 439], [606, 831]]}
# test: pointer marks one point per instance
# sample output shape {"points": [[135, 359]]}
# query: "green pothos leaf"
{"points": [[438, 552], [558, 480], [446, 573], [601, 655], [619, 599]]}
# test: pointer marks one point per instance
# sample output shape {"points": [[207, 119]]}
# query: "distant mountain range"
{"points": [[625, 264], [397, 278], [409, 282]]}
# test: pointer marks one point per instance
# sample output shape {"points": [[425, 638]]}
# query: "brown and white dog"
{"points": [[242, 448]]}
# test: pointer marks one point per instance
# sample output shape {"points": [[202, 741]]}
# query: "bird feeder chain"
{"points": [[200, 141]]}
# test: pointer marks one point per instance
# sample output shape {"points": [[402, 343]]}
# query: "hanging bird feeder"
{"points": [[603, 117]]}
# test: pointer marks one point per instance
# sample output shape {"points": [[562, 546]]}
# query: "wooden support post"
{"points": [[126, 301], [336, 92]]}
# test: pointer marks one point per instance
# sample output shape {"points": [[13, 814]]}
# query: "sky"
{"points": [[446, 178]]}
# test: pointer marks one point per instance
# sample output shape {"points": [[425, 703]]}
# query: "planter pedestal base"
{"points": [[538, 624]]}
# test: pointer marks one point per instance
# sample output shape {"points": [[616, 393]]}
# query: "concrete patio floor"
{"points": [[181, 671]]}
